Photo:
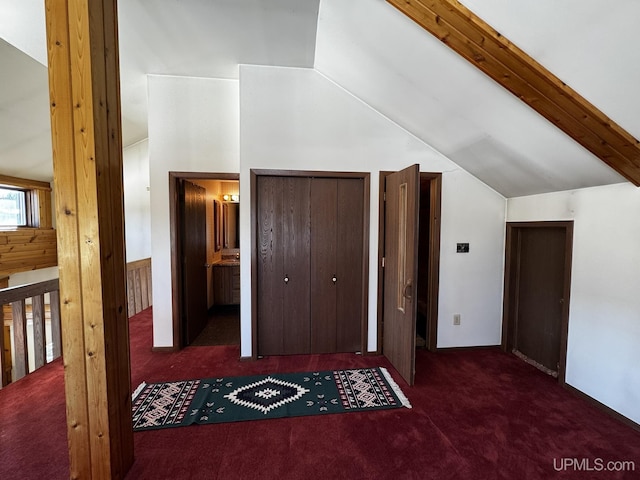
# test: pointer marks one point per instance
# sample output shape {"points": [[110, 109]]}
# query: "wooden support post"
{"points": [[87, 155]]}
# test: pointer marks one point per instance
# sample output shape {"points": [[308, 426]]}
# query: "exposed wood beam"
{"points": [[87, 156], [468, 35], [8, 181]]}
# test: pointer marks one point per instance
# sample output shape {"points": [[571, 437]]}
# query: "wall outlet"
{"points": [[456, 319]]}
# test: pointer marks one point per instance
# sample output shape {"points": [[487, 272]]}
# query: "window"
{"points": [[13, 207]]}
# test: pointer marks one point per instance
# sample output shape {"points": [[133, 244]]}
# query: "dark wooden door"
{"points": [[401, 269], [337, 210], [193, 250], [540, 292], [283, 213]]}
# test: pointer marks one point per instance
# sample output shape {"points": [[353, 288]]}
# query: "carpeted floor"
{"points": [[223, 327], [477, 414]]}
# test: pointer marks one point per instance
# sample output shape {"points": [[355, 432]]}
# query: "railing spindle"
{"points": [[4, 375], [39, 333], [56, 333], [16, 296], [21, 363]]}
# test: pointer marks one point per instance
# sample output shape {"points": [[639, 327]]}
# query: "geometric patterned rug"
{"points": [[233, 399]]}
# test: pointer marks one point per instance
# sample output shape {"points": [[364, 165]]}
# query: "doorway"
{"points": [[424, 329], [205, 271], [537, 289]]}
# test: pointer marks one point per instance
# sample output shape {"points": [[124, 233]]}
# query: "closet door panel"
{"points": [[349, 264], [269, 207], [296, 264], [323, 264]]}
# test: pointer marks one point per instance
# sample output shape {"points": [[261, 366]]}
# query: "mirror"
{"points": [[217, 226], [231, 225]]}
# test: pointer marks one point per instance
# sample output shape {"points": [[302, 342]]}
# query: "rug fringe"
{"points": [[396, 388], [138, 390]]}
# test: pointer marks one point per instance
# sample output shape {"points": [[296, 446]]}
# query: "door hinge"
{"points": [[382, 262], [384, 196]]}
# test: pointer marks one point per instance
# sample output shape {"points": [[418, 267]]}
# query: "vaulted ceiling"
{"points": [[372, 50]]}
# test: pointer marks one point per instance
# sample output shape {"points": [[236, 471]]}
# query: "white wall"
{"points": [[604, 315], [137, 206], [193, 127], [298, 119], [33, 276]]}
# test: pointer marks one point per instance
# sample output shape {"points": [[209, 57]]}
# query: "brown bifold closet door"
{"points": [[310, 264], [283, 265], [336, 264]]}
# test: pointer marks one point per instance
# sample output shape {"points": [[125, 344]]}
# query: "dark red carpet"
{"points": [[477, 414]]}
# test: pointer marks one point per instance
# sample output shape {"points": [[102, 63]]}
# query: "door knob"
{"points": [[408, 290], [286, 278], [334, 279]]}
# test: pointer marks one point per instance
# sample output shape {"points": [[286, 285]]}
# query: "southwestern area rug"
{"points": [[233, 399]]}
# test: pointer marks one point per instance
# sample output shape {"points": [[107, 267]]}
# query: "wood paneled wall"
{"points": [[34, 246], [27, 249], [138, 286]]}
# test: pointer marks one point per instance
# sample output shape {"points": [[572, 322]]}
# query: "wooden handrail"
{"points": [[139, 298], [16, 297], [13, 294]]}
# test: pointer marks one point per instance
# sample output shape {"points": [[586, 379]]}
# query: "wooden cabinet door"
{"points": [[283, 265]]}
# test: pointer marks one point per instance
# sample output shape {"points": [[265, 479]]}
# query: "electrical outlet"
{"points": [[456, 319]]}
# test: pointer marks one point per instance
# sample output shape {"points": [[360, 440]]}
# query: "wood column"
{"points": [[87, 154]]}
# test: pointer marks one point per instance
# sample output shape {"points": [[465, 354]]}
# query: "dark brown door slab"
{"points": [[193, 239], [540, 294], [349, 264], [283, 265], [324, 273], [537, 289]]}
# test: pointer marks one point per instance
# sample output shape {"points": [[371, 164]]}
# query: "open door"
{"points": [[402, 210], [193, 257]]}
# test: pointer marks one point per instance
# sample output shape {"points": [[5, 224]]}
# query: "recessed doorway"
{"points": [[537, 290], [205, 258]]}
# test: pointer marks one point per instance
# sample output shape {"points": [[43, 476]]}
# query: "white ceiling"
{"points": [[370, 49], [200, 38], [407, 74]]}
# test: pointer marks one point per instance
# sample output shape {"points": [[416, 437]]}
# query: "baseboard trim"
{"points": [[164, 349], [371, 353], [247, 359], [601, 406], [470, 347]]}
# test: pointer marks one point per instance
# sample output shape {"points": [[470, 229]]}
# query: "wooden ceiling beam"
{"points": [[475, 40]]}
